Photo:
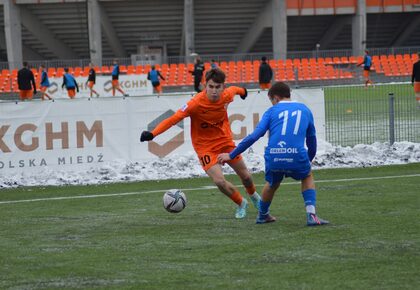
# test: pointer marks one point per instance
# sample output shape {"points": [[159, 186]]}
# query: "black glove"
{"points": [[243, 97], [146, 136]]}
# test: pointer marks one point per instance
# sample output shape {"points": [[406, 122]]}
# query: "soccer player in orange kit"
{"points": [[211, 135]]}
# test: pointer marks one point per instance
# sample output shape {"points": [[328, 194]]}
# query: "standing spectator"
{"points": [[92, 80], [415, 80], [154, 76], [290, 125], [26, 83], [367, 64], [213, 64], [198, 74], [115, 76], [70, 83], [265, 74], [45, 83]]}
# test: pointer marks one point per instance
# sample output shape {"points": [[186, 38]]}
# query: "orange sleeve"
{"points": [[172, 120], [233, 90]]}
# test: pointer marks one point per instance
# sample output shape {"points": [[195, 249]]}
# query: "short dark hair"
{"points": [[43, 66], [25, 63], [279, 89], [66, 69], [263, 58], [216, 75]]}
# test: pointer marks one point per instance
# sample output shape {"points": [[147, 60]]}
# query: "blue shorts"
{"points": [[274, 176]]}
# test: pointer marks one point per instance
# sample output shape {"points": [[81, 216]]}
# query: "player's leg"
{"points": [[273, 181], [309, 197], [417, 93], [216, 174], [238, 165], [266, 199], [44, 93]]}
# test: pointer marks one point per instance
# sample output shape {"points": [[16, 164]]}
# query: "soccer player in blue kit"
{"points": [[289, 124]]}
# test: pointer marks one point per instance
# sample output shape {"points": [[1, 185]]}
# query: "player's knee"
{"points": [[220, 182], [247, 180]]}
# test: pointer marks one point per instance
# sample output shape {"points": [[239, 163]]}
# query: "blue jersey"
{"points": [[367, 62], [154, 76], [289, 124], [44, 80], [115, 72], [68, 81]]}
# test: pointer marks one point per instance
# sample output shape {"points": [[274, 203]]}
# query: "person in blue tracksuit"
{"points": [[153, 76], [115, 74], [290, 124], [45, 83], [70, 83], [367, 64]]}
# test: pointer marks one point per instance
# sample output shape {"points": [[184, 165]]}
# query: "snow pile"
{"points": [[187, 166]]}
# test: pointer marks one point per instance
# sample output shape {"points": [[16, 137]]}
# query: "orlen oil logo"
{"points": [[166, 148]]}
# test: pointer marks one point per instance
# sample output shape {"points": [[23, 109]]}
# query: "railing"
{"points": [[356, 115], [222, 57]]}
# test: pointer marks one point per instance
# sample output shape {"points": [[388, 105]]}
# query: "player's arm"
{"points": [[77, 86], [311, 141], [161, 76], [241, 91], [64, 82], [259, 131], [33, 82], [165, 124]]}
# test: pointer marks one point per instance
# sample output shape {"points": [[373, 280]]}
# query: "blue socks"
{"points": [[309, 197], [264, 208]]}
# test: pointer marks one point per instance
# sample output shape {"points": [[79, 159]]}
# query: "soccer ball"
{"points": [[174, 200]]}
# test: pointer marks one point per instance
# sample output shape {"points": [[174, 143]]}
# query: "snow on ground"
{"points": [[187, 166]]}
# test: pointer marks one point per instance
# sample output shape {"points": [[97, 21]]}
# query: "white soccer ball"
{"points": [[174, 200]]}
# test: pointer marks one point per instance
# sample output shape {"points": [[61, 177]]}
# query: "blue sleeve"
{"points": [[75, 82], [311, 144], [259, 131]]}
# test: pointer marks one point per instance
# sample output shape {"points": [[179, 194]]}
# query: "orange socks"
{"points": [[236, 197], [250, 189]]}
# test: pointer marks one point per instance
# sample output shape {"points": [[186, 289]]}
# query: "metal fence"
{"points": [[359, 115], [222, 57]]}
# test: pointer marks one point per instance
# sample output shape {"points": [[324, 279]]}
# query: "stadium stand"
{"points": [[246, 72]]}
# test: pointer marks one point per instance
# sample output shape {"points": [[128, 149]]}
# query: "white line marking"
{"points": [[194, 189]]}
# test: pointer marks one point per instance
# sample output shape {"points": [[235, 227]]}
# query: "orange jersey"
{"points": [[210, 128]]}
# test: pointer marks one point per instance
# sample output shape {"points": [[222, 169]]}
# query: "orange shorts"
{"points": [[91, 84], [43, 89], [265, 86], [366, 73], [115, 83], [209, 159], [417, 87], [71, 93], [158, 88], [26, 94]]}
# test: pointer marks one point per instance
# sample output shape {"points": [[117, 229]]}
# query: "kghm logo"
{"points": [[166, 148], [53, 88], [95, 132], [127, 84]]}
